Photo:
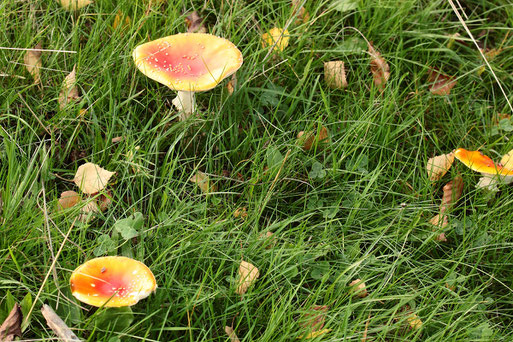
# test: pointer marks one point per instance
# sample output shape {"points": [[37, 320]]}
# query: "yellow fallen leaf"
{"points": [[91, 178], [231, 334], [203, 182], [379, 68], [302, 15], [119, 22], [414, 321], [73, 5], [507, 160], [68, 199], [335, 74], [314, 334], [313, 139], [69, 91], [33, 63], [240, 212], [438, 166], [248, 274], [358, 288], [278, 36]]}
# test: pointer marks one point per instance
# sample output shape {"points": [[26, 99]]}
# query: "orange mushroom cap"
{"points": [[188, 61], [112, 281], [477, 161]]}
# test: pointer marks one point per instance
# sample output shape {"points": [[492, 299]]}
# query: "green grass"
{"points": [[366, 216]]}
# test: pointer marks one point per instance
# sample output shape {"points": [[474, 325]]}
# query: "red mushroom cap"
{"points": [[477, 161], [112, 281], [188, 61]]}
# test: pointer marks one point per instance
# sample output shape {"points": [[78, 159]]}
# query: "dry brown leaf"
{"points": [[33, 63], [335, 74], [230, 86], [241, 212], [119, 22], [278, 36], [11, 327], [117, 139], [105, 200], [438, 166], [88, 210], [68, 199], [73, 5], [452, 193], [302, 15], [91, 178], [315, 318], [358, 288], [313, 139], [231, 334], [69, 91], [195, 23], [414, 321], [203, 182], [439, 220], [440, 84], [269, 239], [248, 274], [379, 68]]}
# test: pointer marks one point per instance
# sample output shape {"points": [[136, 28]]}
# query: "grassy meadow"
{"points": [[355, 206]]}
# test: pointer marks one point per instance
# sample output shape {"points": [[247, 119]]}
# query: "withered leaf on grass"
{"points": [[507, 160], [57, 325], [248, 274], [358, 288], [69, 91], [195, 23], [73, 5], [335, 74], [379, 68], [230, 86], [203, 182], [302, 15], [231, 334], [452, 192], [414, 321], [91, 178], [119, 22], [313, 321], [11, 327], [313, 139], [440, 84], [33, 63], [438, 166], [278, 36], [68, 199]]}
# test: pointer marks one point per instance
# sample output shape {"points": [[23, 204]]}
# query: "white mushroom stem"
{"points": [[185, 103]]}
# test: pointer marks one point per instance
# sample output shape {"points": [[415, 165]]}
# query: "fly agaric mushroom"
{"points": [[491, 172], [188, 63], [112, 281]]}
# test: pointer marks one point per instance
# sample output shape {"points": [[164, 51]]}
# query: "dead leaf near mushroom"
{"points": [[69, 91], [11, 327], [74, 5], [358, 288], [379, 68], [452, 192], [248, 274], [203, 182], [68, 199], [441, 84], [438, 166], [313, 139], [195, 23], [232, 83], [91, 178], [231, 334], [122, 21], [335, 74], [276, 38], [298, 10], [33, 63]]}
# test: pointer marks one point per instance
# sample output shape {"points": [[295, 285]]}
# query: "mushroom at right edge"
{"points": [[188, 63], [492, 173]]}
